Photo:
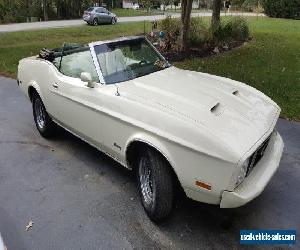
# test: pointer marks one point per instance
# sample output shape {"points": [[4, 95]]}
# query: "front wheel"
{"points": [[42, 120], [155, 185], [113, 21]]}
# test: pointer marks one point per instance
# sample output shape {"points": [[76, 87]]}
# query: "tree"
{"points": [[281, 8], [204, 4], [251, 5], [176, 3], [45, 10], [146, 4], [238, 3], [165, 3], [186, 8], [215, 20]]}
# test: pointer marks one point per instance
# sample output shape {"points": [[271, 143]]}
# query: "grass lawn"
{"points": [[270, 62], [17, 45], [131, 12], [178, 10]]}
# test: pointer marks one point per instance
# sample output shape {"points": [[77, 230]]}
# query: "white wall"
{"points": [[127, 4], [195, 5]]}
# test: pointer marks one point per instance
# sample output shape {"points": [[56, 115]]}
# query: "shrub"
{"points": [[236, 29], [239, 28], [171, 27], [281, 8], [200, 34]]}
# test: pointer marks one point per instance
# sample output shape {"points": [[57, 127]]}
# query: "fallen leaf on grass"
{"points": [[29, 225]]}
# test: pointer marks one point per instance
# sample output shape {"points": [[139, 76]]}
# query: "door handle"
{"points": [[55, 85]]}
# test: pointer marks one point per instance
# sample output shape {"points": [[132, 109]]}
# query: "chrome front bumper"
{"points": [[259, 177]]}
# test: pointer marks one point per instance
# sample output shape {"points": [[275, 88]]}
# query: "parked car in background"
{"points": [[213, 136], [136, 6], [97, 15]]}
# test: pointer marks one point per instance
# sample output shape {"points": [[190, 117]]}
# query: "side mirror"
{"points": [[86, 77]]}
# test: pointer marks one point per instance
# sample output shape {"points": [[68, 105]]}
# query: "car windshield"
{"points": [[128, 59]]}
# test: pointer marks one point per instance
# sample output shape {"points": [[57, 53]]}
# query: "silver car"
{"points": [[98, 15]]}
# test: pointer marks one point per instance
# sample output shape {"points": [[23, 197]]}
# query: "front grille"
{"points": [[257, 155]]}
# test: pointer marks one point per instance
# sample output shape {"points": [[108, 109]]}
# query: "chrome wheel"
{"points": [[146, 181], [95, 22], [39, 113], [155, 183], [113, 21]]}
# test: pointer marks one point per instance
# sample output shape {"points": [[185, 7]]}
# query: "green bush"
{"points": [[236, 29], [239, 28], [281, 8], [200, 35]]}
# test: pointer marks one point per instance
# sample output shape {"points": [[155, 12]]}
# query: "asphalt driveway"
{"points": [[78, 22], [78, 198]]}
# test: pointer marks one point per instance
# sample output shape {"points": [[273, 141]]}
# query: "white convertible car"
{"points": [[212, 136]]}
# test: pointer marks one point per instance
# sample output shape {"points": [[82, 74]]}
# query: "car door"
{"points": [[101, 15], [75, 106], [90, 113], [82, 110], [98, 15], [106, 16]]}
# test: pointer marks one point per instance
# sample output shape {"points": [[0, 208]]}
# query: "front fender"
{"points": [[36, 87], [191, 166], [159, 144]]}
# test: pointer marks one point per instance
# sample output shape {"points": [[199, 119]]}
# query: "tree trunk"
{"points": [[186, 8], [45, 12], [215, 20]]}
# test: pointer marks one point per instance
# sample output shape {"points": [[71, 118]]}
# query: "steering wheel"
{"points": [[142, 62]]}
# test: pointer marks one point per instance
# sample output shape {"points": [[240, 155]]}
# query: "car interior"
{"points": [[73, 59]]}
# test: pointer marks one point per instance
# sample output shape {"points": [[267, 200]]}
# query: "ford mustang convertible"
{"points": [[212, 136]]}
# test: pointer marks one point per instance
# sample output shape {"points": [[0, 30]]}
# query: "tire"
{"points": [[113, 21], [43, 121], [95, 22], [155, 184]]}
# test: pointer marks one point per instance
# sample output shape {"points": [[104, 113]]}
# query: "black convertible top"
{"points": [[66, 49]]}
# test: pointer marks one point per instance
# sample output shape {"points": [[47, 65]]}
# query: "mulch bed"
{"points": [[173, 55], [9, 75]]}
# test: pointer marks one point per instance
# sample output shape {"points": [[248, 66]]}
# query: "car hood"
{"points": [[234, 113]]}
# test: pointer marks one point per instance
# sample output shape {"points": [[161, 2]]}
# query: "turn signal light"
{"points": [[203, 185]]}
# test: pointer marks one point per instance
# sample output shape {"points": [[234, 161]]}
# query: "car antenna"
{"points": [[117, 93]]}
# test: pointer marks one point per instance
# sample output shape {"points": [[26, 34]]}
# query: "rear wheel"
{"points": [[113, 21], [95, 22], [42, 120], [155, 184]]}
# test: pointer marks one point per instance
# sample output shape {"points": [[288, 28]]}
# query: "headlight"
{"points": [[242, 173]]}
